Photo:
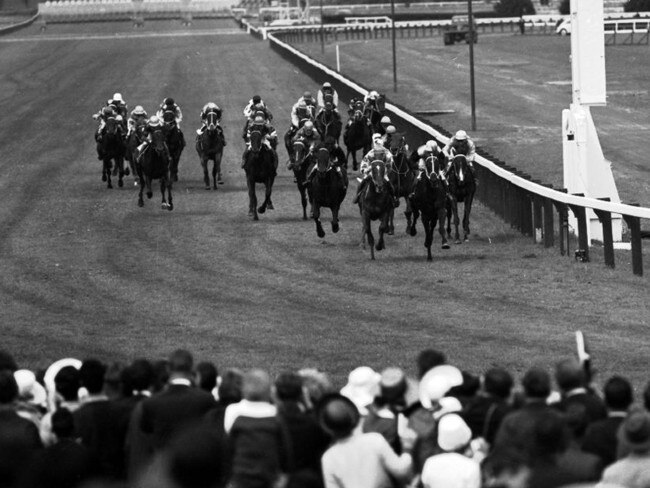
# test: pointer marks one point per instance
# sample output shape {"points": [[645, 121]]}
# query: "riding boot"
{"points": [[360, 189]]}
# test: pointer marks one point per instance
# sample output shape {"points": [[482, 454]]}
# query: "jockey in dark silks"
{"points": [[103, 115], [378, 152], [309, 136], [254, 105], [137, 119], [460, 143], [269, 135], [328, 92], [169, 105], [211, 108], [118, 105], [153, 125]]}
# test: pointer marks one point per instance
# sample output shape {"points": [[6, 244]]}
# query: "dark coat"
{"points": [[517, 429], [484, 414], [66, 464], [19, 441], [593, 404], [601, 439]]}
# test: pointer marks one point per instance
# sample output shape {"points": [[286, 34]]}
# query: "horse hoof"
{"points": [[120, 183], [414, 231], [261, 210], [104, 177], [335, 227], [127, 171], [175, 178], [458, 241], [109, 186], [207, 187], [379, 247], [140, 203], [170, 207], [390, 232], [466, 239], [320, 232], [445, 246], [149, 194], [135, 183], [429, 258], [270, 206], [164, 206]]}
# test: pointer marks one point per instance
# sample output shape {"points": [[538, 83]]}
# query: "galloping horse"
{"points": [[357, 135], [209, 146], [112, 149], [462, 187], [401, 176], [301, 161], [328, 189], [260, 168], [134, 139], [374, 112], [328, 122], [429, 197], [175, 141], [153, 164], [375, 203], [304, 114]]}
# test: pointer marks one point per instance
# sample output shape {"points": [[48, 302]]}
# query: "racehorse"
{"points": [[112, 149], [304, 114], [260, 168], [357, 135], [133, 140], [429, 198], [374, 112], [328, 123], [209, 146], [375, 204], [462, 187], [328, 189], [401, 175], [175, 141], [153, 164], [300, 163]]}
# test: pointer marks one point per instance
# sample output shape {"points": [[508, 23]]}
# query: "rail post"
{"points": [[583, 240], [549, 236], [608, 239], [634, 224]]}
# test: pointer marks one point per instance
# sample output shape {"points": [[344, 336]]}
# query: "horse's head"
{"points": [[299, 152], [378, 173], [211, 121], [304, 114], [169, 117], [460, 168], [256, 139], [380, 103], [322, 158], [358, 110], [158, 140], [328, 98], [112, 127]]}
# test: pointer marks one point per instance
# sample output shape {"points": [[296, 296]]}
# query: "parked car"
{"points": [[563, 27], [458, 31]]}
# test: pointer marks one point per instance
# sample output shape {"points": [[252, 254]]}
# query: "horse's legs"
{"points": [[408, 213], [367, 226], [413, 228], [119, 161], [441, 227], [383, 227], [391, 224], [217, 170], [319, 227], [170, 203], [148, 183], [303, 197], [454, 207], [252, 198], [467, 208], [163, 184], [449, 212], [268, 186], [107, 172], [140, 199], [429, 224], [206, 177], [335, 218]]}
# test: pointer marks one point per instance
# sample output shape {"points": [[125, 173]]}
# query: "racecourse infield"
{"points": [[85, 272]]}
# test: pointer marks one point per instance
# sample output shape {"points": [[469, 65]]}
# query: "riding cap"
{"points": [[431, 145], [211, 105], [391, 129], [256, 99], [309, 125], [168, 101], [302, 104], [118, 97], [139, 110], [108, 111], [306, 95], [385, 120], [461, 135], [154, 121], [373, 94], [327, 84], [259, 106], [258, 119]]}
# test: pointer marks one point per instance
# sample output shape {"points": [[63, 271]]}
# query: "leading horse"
{"points": [[328, 123], [112, 148], [260, 168], [299, 163], [375, 111], [401, 175], [209, 146], [429, 199], [328, 189], [153, 164], [375, 203], [175, 141], [462, 187], [357, 134]]}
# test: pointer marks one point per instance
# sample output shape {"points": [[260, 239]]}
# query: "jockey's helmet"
{"points": [[211, 105], [385, 120], [327, 84], [169, 102], [259, 107], [431, 146], [302, 104], [306, 95], [309, 126], [373, 95], [461, 135], [260, 114], [391, 129], [108, 111], [259, 119], [257, 99], [117, 97], [139, 110], [154, 121], [329, 106]]}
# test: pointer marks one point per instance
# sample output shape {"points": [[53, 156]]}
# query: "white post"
{"points": [[585, 168], [338, 60]]}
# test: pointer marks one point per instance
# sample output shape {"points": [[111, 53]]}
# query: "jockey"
{"points": [[249, 111], [309, 135], [378, 152], [370, 100], [337, 159], [153, 125], [460, 143], [104, 114], [327, 89], [119, 108], [425, 151], [300, 111], [270, 137], [171, 105], [393, 141], [211, 107], [383, 124], [137, 119]]}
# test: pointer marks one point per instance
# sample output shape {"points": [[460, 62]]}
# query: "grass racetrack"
{"points": [[84, 271]]}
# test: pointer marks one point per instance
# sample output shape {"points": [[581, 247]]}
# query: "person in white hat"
{"points": [[137, 119], [424, 152], [453, 468], [325, 94], [461, 143], [118, 104], [361, 388], [269, 137], [377, 153], [32, 397]]}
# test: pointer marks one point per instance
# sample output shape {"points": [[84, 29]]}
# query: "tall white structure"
{"points": [[585, 168]]}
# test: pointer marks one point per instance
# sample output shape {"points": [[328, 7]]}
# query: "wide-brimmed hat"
{"points": [[392, 385], [362, 387], [453, 433], [635, 431], [437, 382], [29, 389], [338, 415], [50, 374]]}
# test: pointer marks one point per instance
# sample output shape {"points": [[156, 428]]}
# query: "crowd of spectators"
{"points": [[176, 424]]}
